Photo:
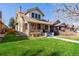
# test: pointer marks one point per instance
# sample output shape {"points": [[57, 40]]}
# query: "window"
{"points": [[38, 16], [32, 15]]}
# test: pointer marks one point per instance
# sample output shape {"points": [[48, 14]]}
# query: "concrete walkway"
{"points": [[68, 40]]}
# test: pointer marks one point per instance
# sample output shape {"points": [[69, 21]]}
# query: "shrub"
{"points": [[9, 37], [11, 31]]}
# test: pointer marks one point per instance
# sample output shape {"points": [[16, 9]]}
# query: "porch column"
{"points": [[49, 28], [28, 27]]}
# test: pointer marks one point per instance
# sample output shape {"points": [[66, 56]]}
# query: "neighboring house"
{"points": [[3, 27], [31, 22], [61, 26]]}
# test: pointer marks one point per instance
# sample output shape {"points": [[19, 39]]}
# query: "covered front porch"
{"points": [[37, 29]]}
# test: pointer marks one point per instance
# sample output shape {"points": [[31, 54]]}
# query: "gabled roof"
{"points": [[36, 8]]}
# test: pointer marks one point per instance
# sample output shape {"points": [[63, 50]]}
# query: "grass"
{"points": [[41, 46]]}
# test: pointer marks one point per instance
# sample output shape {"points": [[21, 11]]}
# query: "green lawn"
{"points": [[37, 47]]}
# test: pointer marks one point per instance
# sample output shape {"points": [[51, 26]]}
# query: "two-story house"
{"points": [[31, 22]]}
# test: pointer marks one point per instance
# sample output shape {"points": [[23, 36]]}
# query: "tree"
{"points": [[12, 23], [69, 12]]}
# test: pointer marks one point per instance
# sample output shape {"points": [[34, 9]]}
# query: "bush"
{"points": [[10, 31]]}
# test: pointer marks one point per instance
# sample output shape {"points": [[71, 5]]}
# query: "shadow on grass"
{"points": [[32, 52], [54, 54], [13, 37], [37, 52]]}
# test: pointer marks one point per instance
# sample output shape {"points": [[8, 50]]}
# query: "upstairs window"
{"points": [[36, 16], [32, 15], [39, 17]]}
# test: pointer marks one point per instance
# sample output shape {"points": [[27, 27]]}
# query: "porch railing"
{"points": [[34, 30]]}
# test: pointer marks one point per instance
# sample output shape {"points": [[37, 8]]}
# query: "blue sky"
{"points": [[9, 10]]}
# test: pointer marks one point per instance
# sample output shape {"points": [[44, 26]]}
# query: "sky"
{"points": [[49, 9]]}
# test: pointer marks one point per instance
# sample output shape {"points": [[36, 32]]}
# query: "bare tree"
{"points": [[69, 11]]}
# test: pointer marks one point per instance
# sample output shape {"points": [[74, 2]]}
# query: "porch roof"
{"points": [[32, 20], [60, 24]]}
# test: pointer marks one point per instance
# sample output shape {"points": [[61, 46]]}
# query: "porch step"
{"points": [[50, 34]]}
